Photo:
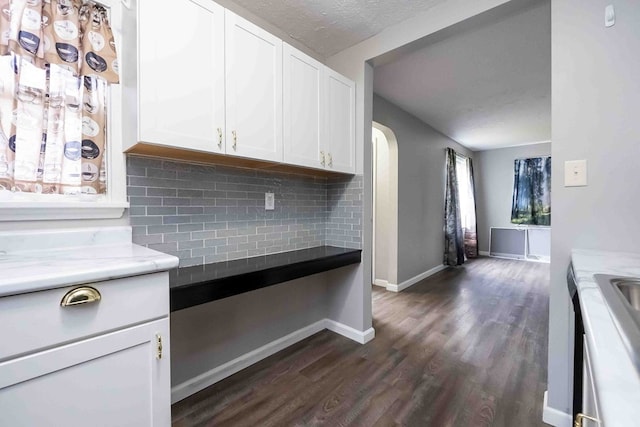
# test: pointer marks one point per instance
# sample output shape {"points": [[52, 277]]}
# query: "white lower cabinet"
{"points": [[99, 372]]}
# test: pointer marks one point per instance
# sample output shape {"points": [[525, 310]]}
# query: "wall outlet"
{"points": [[269, 201], [575, 173]]}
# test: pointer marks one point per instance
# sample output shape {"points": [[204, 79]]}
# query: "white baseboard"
{"points": [[404, 285], [380, 282], [484, 253], [554, 416], [202, 381], [361, 337]]}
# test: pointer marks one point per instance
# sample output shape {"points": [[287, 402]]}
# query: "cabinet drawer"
{"points": [[34, 321]]}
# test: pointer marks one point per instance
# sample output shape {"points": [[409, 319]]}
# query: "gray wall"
{"points": [[595, 100], [212, 213], [493, 171], [344, 211], [421, 159], [209, 335]]}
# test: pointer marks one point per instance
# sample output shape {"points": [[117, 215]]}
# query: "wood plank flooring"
{"points": [[466, 347]]}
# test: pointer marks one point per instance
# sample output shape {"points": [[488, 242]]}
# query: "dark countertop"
{"points": [[191, 286]]}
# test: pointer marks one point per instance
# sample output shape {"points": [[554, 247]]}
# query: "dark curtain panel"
{"points": [[453, 236], [470, 230], [532, 191]]}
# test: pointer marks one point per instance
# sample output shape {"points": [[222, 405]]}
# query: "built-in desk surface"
{"points": [[191, 286]]}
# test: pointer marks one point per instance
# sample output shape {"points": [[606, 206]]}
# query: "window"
{"points": [[60, 121], [465, 191]]}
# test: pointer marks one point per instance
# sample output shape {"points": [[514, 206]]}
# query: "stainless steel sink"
{"points": [[622, 295], [630, 290]]}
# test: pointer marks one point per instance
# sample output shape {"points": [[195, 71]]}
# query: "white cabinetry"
{"points": [[181, 87], [212, 83], [319, 115], [108, 366], [254, 90], [340, 122], [303, 117]]}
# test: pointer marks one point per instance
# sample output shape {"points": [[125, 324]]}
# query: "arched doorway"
{"points": [[385, 206]]}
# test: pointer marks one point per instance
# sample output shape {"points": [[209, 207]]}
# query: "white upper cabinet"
{"points": [[209, 81], [303, 115], [254, 90], [340, 122], [181, 87]]}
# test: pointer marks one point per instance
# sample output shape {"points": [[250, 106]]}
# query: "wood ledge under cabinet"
{"points": [[192, 156]]}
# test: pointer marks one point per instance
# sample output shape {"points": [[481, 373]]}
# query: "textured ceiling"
{"points": [[330, 26], [487, 87]]}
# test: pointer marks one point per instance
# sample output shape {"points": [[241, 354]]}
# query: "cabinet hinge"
{"points": [[158, 346]]}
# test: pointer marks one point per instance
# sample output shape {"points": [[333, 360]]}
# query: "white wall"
{"points": [[493, 171], [421, 182], [383, 203], [207, 336], [595, 107]]}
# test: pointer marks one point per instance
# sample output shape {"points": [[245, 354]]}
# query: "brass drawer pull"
{"points": [[81, 295]]}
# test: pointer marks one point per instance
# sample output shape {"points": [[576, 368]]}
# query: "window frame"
{"points": [[35, 207]]}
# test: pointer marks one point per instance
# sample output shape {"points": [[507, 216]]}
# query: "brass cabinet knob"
{"points": [[81, 295]]}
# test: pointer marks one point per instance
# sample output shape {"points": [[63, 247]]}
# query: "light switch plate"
{"points": [[609, 16], [575, 173], [269, 201]]}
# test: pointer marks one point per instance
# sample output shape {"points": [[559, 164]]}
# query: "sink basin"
{"points": [[630, 290], [622, 295]]}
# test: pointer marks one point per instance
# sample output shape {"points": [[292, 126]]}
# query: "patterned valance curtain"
{"points": [[58, 56]]}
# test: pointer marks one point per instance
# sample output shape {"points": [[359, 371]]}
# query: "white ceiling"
{"points": [[488, 87], [330, 26]]}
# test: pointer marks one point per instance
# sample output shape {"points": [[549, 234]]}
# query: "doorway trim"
{"points": [[392, 259]]}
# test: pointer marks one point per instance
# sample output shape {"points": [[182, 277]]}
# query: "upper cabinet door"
{"points": [[181, 74], [340, 122], [254, 90], [303, 115]]}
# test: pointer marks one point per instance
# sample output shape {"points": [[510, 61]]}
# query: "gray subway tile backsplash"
{"points": [[212, 213]]}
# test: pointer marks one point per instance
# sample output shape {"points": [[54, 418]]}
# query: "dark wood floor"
{"points": [[466, 347]]}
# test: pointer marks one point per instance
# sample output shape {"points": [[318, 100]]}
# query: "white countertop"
{"points": [[46, 259], [617, 380]]}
